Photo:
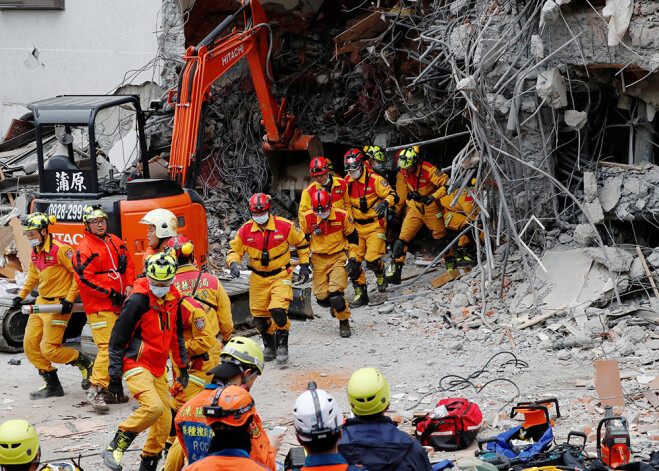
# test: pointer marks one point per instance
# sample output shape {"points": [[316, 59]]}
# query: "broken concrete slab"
{"points": [[589, 186], [575, 119], [594, 211], [551, 87], [610, 193], [584, 234], [612, 257]]}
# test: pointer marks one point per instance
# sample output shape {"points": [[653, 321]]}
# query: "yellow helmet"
{"points": [[93, 211], [38, 221], [368, 392], [407, 157], [375, 153], [19, 443], [244, 350], [161, 266]]}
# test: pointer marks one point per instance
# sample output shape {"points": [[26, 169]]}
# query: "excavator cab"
{"points": [[69, 178]]}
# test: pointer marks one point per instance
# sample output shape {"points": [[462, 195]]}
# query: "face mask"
{"points": [[159, 291], [35, 242], [324, 215], [326, 182], [261, 219], [355, 174]]}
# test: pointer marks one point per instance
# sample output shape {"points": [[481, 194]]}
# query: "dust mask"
{"points": [[327, 182], [324, 215], [159, 291], [261, 219], [35, 242], [355, 174]]}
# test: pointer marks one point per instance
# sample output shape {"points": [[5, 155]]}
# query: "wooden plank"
{"points": [[647, 271], [450, 276], [23, 247], [358, 30], [607, 383], [540, 318], [510, 336], [625, 166]]}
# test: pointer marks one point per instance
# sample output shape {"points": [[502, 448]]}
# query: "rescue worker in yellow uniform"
{"points": [[332, 233], [456, 218], [378, 160], [51, 268], [323, 178], [425, 186], [266, 239], [370, 196], [162, 225]]}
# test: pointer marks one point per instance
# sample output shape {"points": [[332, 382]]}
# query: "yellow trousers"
{"points": [[152, 393], [271, 292], [457, 222], [175, 457], [101, 324], [198, 379], [372, 244], [432, 218], [329, 275], [43, 339]]}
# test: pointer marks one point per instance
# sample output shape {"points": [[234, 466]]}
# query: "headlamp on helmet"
{"points": [[319, 166], [181, 246], [93, 211], [38, 221], [232, 406]]}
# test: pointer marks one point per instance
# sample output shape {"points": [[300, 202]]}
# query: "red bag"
{"points": [[453, 432]]}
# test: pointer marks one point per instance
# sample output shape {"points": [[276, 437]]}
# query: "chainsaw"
{"points": [[614, 447]]}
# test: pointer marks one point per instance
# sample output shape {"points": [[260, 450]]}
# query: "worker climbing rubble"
{"points": [[332, 233], [51, 269], [370, 195], [324, 179], [105, 274], [425, 186], [457, 217], [148, 328], [266, 239]]}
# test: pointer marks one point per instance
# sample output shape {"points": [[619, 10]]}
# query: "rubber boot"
{"points": [[450, 263], [149, 463], [344, 328], [52, 388], [361, 296], [395, 277], [85, 364], [114, 453], [282, 346], [163, 460], [468, 259], [269, 347], [381, 280], [96, 397]]}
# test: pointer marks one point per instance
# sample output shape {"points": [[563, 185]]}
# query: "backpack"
{"points": [[454, 431]]}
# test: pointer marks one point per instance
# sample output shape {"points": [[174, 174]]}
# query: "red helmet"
{"points": [[321, 201], [181, 245], [259, 202], [319, 166], [353, 159]]}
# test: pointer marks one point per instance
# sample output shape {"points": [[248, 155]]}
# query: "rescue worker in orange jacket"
{"points": [[52, 270], [266, 239], [332, 233], [425, 187], [105, 274], [317, 419], [323, 179], [370, 195], [230, 413], [148, 329], [456, 218], [162, 225], [241, 364]]}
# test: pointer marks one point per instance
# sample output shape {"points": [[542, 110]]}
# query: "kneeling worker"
{"points": [[332, 233]]}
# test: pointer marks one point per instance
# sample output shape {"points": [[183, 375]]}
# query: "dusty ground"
{"points": [[412, 352]]}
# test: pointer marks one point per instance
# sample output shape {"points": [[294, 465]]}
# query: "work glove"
{"points": [[116, 297], [234, 269], [183, 377], [353, 268], [430, 199], [67, 306], [115, 388], [399, 249], [318, 231], [16, 302], [381, 208], [305, 271]]}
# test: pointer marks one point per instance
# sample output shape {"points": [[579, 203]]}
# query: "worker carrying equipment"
{"points": [[51, 269], [424, 188], [19, 445], [266, 239], [241, 364], [162, 225], [317, 419], [332, 232], [229, 412], [105, 274], [324, 179], [370, 195], [149, 327]]}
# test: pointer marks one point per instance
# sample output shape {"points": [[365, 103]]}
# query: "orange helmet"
{"points": [[232, 406]]}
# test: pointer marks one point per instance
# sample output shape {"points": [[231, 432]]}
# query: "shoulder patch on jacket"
{"points": [[200, 323], [69, 254]]}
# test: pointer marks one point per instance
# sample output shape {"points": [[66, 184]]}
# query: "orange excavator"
{"points": [[67, 185]]}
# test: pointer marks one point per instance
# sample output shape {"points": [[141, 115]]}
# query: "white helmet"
{"points": [[164, 220], [316, 416]]}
